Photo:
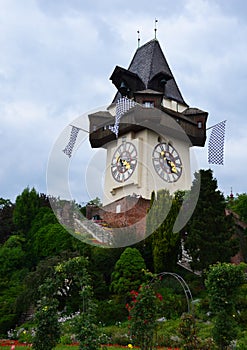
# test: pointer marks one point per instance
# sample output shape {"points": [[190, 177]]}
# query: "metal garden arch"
{"points": [[184, 285]]}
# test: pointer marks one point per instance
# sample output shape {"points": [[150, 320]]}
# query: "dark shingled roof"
{"points": [[148, 62]]}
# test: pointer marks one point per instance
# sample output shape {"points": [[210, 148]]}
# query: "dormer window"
{"points": [[148, 104]]}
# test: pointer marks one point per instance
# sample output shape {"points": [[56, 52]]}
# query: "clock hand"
{"points": [[172, 166], [162, 154], [126, 164], [123, 162], [119, 160]]}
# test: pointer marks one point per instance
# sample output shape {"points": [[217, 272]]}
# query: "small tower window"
{"points": [[148, 104], [118, 208], [199, 125]]}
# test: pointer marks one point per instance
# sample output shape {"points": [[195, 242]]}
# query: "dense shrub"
{"points": [[111, 311]]}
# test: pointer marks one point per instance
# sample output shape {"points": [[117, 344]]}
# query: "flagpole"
{"points": [[80, 128], [215, 125]]}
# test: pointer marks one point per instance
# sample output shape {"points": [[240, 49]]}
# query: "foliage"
{"points": [[111, 311], [69, 276], [128, 272], [242, 342], [30, 251], [143, 311], [187, 330], [11, 256], [6, 219], [8, 314], [189, 334], [223, 282], [165, 244], [239, 205], [43, 217], [47, 332], [50, 240], [117, 334], [96, 201], [101, 267], [12, 273], [26, 207], [210, 232], [86, 328], [241, 306], [73, 273], [175, 303]]}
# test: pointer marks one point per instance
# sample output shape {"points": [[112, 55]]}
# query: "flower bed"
{"points": [[9, 343]]}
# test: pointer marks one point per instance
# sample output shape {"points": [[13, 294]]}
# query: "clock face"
{"points": [[166, 162], [124, 161]]}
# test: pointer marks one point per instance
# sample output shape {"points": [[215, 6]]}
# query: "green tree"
{"points": [[209, 231], [6, 219], [164, 243], [96, 202], [223, 283], [37, 238], [12, 273], [101, 266], [239, 206], [128, 272], [26, 207], [51, 240]]}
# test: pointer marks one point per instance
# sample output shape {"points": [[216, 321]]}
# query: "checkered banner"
{"points": [[216, 144], [73, 136], [123, 105]]}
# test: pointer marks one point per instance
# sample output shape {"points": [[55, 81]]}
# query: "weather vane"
{"points": [[155, 28], [138, 38]]}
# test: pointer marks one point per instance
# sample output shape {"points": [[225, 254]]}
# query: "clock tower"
{"points": [[152, 148]]}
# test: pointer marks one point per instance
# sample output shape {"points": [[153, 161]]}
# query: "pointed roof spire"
{"points": [[150, 64], [148, 70]]}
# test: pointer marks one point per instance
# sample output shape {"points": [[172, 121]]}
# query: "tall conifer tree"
{"points": [[209, 231], [164, 243]]}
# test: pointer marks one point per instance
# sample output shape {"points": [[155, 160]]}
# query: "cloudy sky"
{"points": [[57, 56]]}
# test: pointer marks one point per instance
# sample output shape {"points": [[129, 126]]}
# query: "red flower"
{"points": [[134, 293], [159, 296], [128, 307]]}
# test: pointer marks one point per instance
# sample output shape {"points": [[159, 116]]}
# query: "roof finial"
{"points": [[138, 38], [155, 28]]}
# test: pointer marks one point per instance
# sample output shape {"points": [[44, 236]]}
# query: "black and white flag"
{"points": [[122, 106], [216, 144], [73, 136]]}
